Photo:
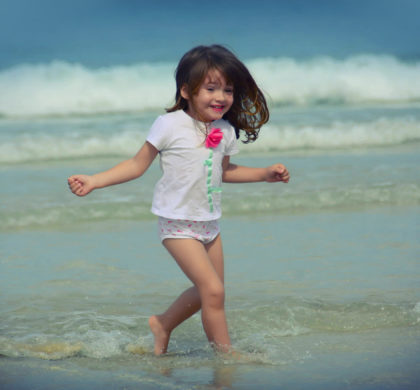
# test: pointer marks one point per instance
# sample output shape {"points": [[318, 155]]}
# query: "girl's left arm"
{"points": [[233, 173]]}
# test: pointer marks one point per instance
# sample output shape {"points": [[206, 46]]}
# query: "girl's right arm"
{"points": [[127, 170]]}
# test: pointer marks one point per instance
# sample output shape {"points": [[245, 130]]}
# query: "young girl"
{"points": [[216, 97]]}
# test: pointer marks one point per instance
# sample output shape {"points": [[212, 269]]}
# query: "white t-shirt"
{"points": [[183, 190]]}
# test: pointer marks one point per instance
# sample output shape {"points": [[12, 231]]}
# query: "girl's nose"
{"points": [[220, 95]]}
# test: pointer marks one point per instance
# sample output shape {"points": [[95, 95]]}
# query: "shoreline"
{"points": [[394, 368]]}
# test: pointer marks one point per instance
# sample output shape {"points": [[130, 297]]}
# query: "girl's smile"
{"points": [[213, 100], [218, 108]]}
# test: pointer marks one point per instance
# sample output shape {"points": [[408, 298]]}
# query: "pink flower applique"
{"points": [[213, 138]]}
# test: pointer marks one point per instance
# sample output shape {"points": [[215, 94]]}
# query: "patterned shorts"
{"points": [[204, 231]]}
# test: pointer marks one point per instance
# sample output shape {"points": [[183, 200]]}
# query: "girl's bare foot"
{"points": [[160, 334]]}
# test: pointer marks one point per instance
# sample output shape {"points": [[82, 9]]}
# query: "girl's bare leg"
{"points": [[203, 263], [187, 304]]}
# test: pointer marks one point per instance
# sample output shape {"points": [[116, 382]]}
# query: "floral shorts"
{"points": [[204, 231]]}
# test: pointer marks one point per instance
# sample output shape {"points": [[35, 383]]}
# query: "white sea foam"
{"points": [[42, 147], [357, 79], [99, 336], [49, 145], [338, 134], [61, 88]]}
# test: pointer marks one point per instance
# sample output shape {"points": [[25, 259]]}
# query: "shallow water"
{"points": [[319, 292], [321, 274]]}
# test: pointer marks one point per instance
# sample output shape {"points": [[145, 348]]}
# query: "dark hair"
{"points": [[249, 110]]}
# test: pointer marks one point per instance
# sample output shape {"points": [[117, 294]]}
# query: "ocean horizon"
{"points": [[107, 33]]}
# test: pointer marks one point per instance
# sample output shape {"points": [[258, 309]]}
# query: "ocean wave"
{"points": [[61, 88], [50, 147], [381, 132], [39, 146], [324, 80]]}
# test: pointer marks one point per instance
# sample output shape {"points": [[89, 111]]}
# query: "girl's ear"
{"points": [[184, 92]]}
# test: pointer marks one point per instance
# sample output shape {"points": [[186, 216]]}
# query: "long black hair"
{"points": [[249, 110]]}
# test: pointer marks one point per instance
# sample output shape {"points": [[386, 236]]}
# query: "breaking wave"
{"points": [[61, 88]]}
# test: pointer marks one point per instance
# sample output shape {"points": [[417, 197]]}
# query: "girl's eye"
{"points": [[229, 90]]}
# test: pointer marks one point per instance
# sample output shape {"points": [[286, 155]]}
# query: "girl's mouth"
{"points": [[218, 108]]}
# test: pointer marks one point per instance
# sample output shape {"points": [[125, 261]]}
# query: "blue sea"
{"points": [[322, 274]]}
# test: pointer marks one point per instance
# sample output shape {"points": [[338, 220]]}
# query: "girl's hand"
{"points": [[277, 172], [81, 185]]}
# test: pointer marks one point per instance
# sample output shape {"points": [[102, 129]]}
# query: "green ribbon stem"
{"points": [[210, 189]]}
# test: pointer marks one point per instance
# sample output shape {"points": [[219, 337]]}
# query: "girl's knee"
{"points": [[214, 294]]}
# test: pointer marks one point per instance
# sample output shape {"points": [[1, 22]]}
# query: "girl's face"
{"points": [[213, 100]]}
